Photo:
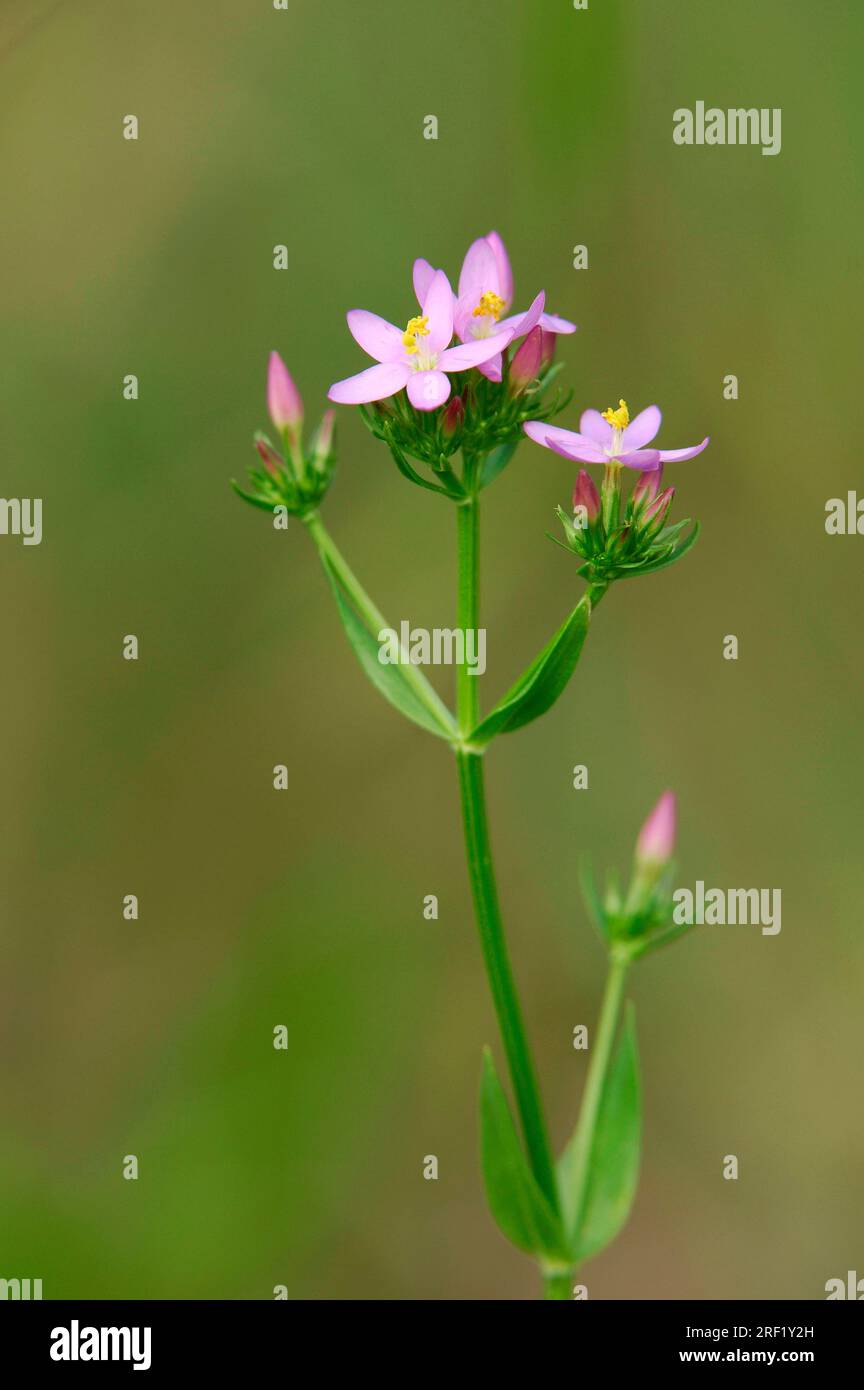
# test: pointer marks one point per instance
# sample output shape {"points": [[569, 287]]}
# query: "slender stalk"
{"points": [[481, 873], [374, 618], [557, 1285], [598, 1066]]}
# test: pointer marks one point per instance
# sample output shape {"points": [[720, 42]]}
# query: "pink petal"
{"points": [[493, 369], [592, 424], [502, 264], [464, 321], [372, 385], [438, 309], [640, 458], [426, 390], [479, 270], [577, 447], [553, 324], [465, 355], [642, 429], [521, 324], [423, 273], [382, 340], [562, 441], [679, 455]]}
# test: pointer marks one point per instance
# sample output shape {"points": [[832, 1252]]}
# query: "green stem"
{"points": [[598, 1067], [481, 873], [468, 540], [373, 617], [557, 1285]]}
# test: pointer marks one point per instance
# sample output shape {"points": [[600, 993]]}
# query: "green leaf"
{"points": [[539, 686], [390, 680], [495, 462], [613, 1164], [520, 1209]]}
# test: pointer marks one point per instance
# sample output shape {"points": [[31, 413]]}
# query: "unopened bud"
{"points": [[547, 349], [322, 445], [283, 398], [270, 459], [655, 514], [454, 414], [585, 495], [656, 841], [526, 363], [647, 485]]}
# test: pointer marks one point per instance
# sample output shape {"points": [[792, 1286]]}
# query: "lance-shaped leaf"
{"points": [[497, 461], [539, 686], [611, 1170], [520, 1209], [390, 679]]}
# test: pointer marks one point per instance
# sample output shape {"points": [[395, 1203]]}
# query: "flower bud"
{"points": [[283, 398], [454, 414], [526, 363], [655, 514], [585, 495], [322, 445], [657, 837], [647, 485], [269, 457], [547, 349]]}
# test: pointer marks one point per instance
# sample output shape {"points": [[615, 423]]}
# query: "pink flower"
{"points": [[283, 398], [485, 294], [612, 438], [416, 357], [657, 836]]}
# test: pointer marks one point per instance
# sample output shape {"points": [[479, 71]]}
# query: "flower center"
{"points": [[619, 419], [414, 329], [491, 305]]}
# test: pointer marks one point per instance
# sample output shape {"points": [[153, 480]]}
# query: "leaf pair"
{"points": [[597, 1173]]}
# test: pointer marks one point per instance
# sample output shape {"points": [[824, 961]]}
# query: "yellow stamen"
{"points": [[414, 329], [619, 419], [491, 305]]}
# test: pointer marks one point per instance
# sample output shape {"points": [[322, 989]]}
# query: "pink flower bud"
{"points": [[647, 485], [453, 417], [585, 495], [547, 349], [324, 438], [657, 837], [526, 363], [656, 512], [283, 398], [269, 457]]}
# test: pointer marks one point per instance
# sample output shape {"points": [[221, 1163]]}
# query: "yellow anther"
{"points": [[491, 306], [414, 329], [619, 419]]}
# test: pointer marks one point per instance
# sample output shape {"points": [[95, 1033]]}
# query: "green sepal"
{"points": [[520, 1209], [540, 685], [388, 679], [612, 1168], [255, 501]]}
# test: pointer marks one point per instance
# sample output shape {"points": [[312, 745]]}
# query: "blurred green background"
{"points": [[304, 127]]}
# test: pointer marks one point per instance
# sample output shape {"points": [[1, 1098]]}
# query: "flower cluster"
{"points": [[487, 385], [298, 477], [619, 537]]}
